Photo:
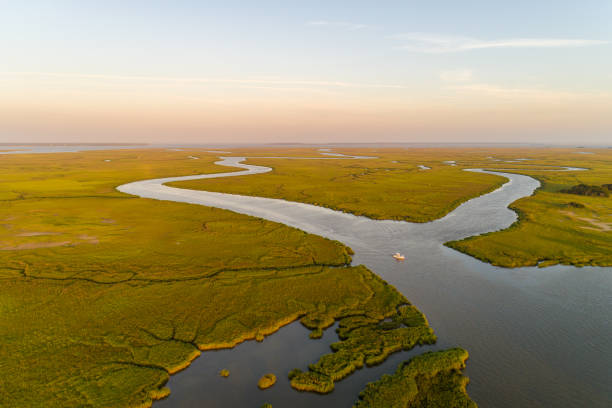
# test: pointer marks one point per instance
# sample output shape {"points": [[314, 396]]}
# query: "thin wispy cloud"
{"points": [[503, 92], [458, 75], [439, 43], [283, 82], [337, 24]]}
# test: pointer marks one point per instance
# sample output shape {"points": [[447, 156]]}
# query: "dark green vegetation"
{"points": [[384, 325], [553, 227], [591, 191], [389, 187], [266, 381], [431, 380], [104, 295]]}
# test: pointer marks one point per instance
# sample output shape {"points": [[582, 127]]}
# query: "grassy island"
{"points": [[266, 381], [390, 186], [430, 380]]}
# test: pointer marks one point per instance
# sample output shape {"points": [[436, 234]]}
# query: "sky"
{"points": [[306, 71]]}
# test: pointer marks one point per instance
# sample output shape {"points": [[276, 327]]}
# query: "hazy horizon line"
{"points": [[238, 144]]}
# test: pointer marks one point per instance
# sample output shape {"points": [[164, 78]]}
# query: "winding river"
{"points": [[536, 337]]}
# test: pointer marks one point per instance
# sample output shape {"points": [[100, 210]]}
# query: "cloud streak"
{"points": [[438, 43], [496, 91], [337, 24], [458, 75], [205, 80]]}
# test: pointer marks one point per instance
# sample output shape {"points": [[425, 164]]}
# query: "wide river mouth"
{"points": [[537, 337]]}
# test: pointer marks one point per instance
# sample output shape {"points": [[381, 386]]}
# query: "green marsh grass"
{"points": [[368, 337], [391, 186], [104, 295], [431, 380], [555, 225]]}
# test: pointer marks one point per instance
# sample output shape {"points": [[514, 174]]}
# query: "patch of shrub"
{"points": [[587, 190]]}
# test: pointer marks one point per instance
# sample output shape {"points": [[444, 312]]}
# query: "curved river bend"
{"points": [[536, 337]]}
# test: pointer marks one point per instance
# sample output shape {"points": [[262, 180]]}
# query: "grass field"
{"points": [[392, 186], [554, 227], [103, 295]]}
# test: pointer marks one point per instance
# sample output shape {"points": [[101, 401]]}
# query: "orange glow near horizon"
{"points": [[99, 110]]}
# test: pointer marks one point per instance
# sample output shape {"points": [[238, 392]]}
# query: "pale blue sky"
{"points": [[339, 58]]}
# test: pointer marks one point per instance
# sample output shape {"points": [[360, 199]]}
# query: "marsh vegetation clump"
{"points": [[432, 379], [317, 333], [586, 190], [266, 381], [159, 393], [368, 338]]}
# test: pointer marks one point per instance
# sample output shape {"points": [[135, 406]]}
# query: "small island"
{"points": [[432, 379], [266, 381]]}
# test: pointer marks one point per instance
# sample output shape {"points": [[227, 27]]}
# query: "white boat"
{"points": [[399, 256]]}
